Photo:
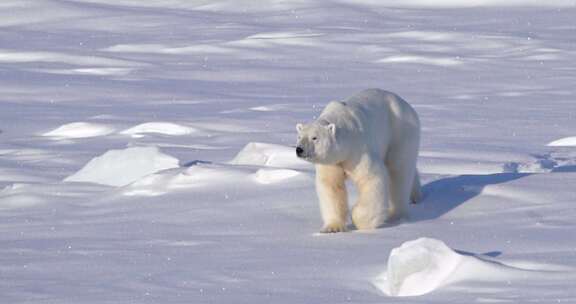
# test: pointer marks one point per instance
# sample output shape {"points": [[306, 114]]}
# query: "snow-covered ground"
{"points": [[178, 117]]}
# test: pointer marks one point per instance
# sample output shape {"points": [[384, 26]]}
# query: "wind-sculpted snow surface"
{"points": [[79, 130], [147, 150], [421, 266], [418, 267], [121, 167], [163, 128], [209, 177], [269, 155], [564, 142]]}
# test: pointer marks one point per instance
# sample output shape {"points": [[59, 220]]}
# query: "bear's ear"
{"points": [[299, 127], [332, 128]]}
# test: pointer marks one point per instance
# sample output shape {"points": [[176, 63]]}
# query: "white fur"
{"points": [[372, 138]]}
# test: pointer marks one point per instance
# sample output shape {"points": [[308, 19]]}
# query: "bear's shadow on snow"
{"points": [[445, 194]]}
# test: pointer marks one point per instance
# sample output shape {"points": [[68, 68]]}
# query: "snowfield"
{"points": [[146, 150]]}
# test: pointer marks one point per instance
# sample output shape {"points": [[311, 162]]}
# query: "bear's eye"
{"points": [[314, 138]]}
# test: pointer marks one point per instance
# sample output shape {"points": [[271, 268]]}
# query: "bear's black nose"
{"points": [[299, 151]]}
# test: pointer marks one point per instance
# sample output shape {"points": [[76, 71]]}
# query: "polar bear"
{"points": [[372, 138]]}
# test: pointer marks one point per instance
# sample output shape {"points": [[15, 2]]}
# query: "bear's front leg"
{"points": [[331, 191], [372, 183]]}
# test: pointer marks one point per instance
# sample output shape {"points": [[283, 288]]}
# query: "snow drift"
{"points": [[564, 142], [268, 155], [80, 130], [212, 177], [421, 266], [163, 128], [121, 167]]}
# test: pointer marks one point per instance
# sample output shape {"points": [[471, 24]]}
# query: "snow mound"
{"points": [[15, 196], [270, 176], [193, 178], [20, 201], [211, 178], [121, 167], [563, 142], [80, 130], [165, 128], [421, 266], [199, 177], [268, 155], [439, 61], [211, 175]]}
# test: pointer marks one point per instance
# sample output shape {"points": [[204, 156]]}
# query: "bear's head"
{"points": [[317, 143]]}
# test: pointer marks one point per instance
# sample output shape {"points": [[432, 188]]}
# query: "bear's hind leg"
{"points": [[333, 197], [401, 164]]}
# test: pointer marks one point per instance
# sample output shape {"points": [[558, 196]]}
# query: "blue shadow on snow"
{"points": [[445, 194]]}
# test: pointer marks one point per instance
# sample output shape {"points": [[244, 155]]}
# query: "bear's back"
{"points": [[383, 105], [372, 98]]}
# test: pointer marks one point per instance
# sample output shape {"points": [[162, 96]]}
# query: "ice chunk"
{"points": [[121, 167]]}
